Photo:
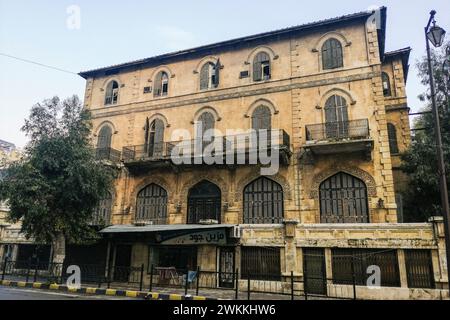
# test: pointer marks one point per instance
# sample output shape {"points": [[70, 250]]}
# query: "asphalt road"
{"points": [[7, 293]]}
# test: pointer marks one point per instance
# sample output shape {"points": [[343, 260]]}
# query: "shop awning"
{"points": [[172, 234]]}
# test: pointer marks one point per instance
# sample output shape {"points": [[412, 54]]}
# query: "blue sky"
{"points": [[119, 31]]}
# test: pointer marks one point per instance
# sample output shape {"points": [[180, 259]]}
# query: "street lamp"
{"points": [[435, 35]]}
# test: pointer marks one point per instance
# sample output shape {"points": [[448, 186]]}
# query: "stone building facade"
{"points": [[335, 105]]}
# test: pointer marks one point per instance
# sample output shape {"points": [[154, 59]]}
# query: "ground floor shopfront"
{"points": [[327, 258]]}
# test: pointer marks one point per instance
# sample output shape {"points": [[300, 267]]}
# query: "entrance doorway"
{"points": [[122, 263], [314, 272]]}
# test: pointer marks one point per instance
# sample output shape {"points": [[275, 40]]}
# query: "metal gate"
{"points": [[226, 267], [314, 272], [343, 199]]}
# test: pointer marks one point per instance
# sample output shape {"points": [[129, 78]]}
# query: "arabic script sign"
{"points": [[217, 237]]}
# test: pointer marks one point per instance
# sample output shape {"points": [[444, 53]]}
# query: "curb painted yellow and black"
{"points": [[102, 291]]}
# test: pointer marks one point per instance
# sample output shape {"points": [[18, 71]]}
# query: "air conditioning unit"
{"points": [[235, 232]]}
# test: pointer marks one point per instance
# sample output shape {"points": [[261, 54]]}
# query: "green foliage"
{"points": [[58, 183], [422, 198]]}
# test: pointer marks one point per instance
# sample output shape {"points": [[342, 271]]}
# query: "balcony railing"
{"points": [[107, 154], [335, 131], [244, 143]]}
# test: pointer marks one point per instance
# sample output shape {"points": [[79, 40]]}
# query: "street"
{"points": [[7, 293]]}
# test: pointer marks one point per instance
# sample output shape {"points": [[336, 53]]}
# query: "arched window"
{"points": [[392, 135], [161, 86], [112, 93], [336, 117], [386, 84], [209, 75], [263, 202], [151, 205], [343, 199], [332, 56], [154, 138], [104, 137], [204, 203], [205, 123], [261, 67], [102, 213], [261, 118]]}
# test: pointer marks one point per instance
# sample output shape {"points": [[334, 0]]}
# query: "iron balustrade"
{"points": [[239, 143], [340, 130], [107, 154]]}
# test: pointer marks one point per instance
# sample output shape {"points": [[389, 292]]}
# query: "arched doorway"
{"points": [[343, 199], [151, 205], [204, 202], [263, 202]]}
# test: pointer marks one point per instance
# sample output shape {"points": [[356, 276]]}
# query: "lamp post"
{"points": [[435, 35]]}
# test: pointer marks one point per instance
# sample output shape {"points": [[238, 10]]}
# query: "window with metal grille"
{"points": [[151, 205], [112, 93], [392, 136], [419, 269], [343, 199], [386, 84], [261, 67], [204, 202], [349, 262], [161, 86], [263, 202], [332, 56], [260, 263]]}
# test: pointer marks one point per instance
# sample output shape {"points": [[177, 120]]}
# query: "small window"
{"points": [[332, 56], [161, 84], [261, 67], [386, 84], [112, 93], [392, 135]]}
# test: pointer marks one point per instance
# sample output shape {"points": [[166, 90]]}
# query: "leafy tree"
{"points": [[422, 198], [54, 189]]}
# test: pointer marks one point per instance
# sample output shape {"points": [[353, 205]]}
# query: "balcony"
{"points": [[240, 149], [339, 137], [107, 154]]}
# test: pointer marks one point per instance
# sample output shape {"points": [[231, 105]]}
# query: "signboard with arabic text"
{"points": [[216, 237]]}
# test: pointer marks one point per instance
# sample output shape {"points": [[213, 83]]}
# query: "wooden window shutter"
{"points": [[217, 72], [147, 132], [262, 118], [158, 85], [392, 135], [257, 72], [332, 56], [104, 138], [204, 76]]}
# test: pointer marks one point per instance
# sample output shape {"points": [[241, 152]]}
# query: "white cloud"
{"points": [[174, 38]]}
